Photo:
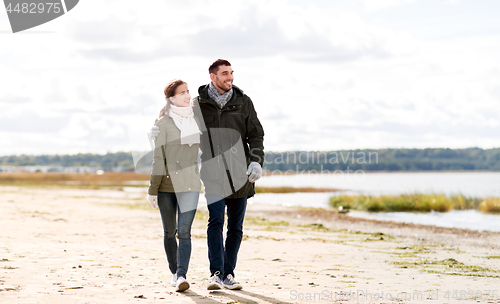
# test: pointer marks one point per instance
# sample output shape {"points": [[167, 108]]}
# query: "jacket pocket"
{"points": [[212, 169], [237, 163]]}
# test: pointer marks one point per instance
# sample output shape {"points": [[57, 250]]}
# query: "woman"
{"points": [[175, 181]]}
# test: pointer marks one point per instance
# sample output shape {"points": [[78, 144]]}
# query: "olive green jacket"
{"points": [[175, 166]]}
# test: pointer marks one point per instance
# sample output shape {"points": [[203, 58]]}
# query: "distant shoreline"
{"points": [[267, 173]]}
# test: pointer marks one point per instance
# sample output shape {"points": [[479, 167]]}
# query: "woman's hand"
{"points": [[155, 131], [153, 200]]}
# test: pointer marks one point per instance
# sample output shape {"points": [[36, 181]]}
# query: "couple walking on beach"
{"points": [[223, 124]]}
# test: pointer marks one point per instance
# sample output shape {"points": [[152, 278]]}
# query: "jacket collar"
{"points": [[203, 92]]}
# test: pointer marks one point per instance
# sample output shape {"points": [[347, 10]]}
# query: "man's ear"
{"points": [[212, 76]]}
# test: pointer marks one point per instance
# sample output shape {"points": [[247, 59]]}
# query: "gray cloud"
{"points": [[83, 93], [465, 131], [32, 123], [14, 99], [275, 116], [494, 91], [118, 54], [249, 37], [102, 31]]}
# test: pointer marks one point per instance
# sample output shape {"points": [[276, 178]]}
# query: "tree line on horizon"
{"points": [[429, 159]]}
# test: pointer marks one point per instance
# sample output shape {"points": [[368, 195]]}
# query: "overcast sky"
{"points": [[323, 74]]}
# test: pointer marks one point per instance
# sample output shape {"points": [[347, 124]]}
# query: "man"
{"points": [[225, 108], [232, 159]]}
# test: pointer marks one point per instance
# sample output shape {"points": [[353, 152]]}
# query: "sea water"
{"points": [[473, 184], [466, 219]]}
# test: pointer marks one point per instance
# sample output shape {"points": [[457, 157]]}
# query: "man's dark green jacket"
{"points": [[233, 138]]}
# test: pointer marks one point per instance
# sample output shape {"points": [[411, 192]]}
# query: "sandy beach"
{"points": [[105, 246]]}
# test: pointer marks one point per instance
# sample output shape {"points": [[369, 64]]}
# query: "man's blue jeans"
{"points": [[168, 203], [223, 257]]}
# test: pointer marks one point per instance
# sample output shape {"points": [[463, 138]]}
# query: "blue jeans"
{"points": [[223, 257], [169, 205]]}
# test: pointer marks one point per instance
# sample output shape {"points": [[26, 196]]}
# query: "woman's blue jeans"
{"points": [[169, 204]]}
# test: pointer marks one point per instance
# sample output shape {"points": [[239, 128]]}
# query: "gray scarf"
{"points": [[220, 99]]}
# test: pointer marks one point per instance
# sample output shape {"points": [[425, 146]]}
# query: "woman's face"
{"points": [[181, 97]]}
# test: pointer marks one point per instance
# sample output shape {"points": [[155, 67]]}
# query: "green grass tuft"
{"points": [[415, 203]]}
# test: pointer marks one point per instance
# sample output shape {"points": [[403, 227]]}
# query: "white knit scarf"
{"points": [[184, 120]]}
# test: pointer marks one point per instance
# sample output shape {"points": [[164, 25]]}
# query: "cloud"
{"points": [[246, 32], [83, 93], [102, 31], [31, 122], [14, 99], [373, 5], [321, 77], [119, 55]]}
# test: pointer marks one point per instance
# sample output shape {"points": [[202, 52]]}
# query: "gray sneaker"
{"points": [[215, 282], [230, 283]]}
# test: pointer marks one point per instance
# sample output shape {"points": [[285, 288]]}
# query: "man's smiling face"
{"points": [[223, 80]]}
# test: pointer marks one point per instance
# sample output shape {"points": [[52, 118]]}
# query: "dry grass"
{"points": [[407, 202], [108, 179], [490, 205], [291, 190], [85, 180]]}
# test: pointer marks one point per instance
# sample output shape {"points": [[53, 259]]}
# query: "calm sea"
{"points": [[476, 184]]}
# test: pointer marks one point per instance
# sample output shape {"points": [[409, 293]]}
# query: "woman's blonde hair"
{"points": [[169, 92]]}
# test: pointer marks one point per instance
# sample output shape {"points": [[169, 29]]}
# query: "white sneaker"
{"points": [[230, 283], [173, 283], [215, 282], [182, 284]]}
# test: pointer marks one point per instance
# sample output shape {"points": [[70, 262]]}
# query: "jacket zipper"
{"points": [[218, 147]]}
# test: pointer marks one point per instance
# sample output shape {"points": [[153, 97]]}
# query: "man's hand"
{"points": [[153, 200], [155, 131], [255, 172]]}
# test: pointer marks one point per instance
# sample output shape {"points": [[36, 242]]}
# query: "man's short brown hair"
{"points": [[217, 63]]}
